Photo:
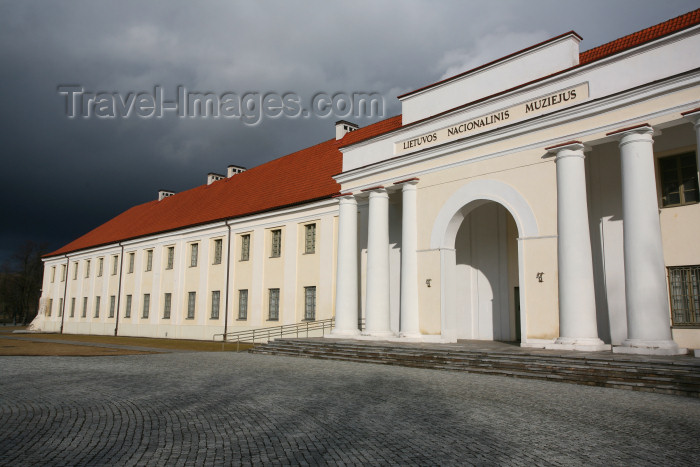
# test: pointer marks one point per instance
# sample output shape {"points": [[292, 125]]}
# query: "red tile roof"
{"points": [[297, 178], [294, 179], [640, 37]]}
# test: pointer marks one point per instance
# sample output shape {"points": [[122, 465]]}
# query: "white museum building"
{"points": [[549, 197]]}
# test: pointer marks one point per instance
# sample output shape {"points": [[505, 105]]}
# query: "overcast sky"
{"points": [[63, 176]]}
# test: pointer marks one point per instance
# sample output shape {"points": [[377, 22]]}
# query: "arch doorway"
{"points": [[479, 232], [485, 281]]}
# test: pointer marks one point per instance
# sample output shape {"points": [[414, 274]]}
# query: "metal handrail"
{"points": [[250, 336]]}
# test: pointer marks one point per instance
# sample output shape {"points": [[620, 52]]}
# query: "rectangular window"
{"points": [[97, 307], [115, 263], [149, 260], [53, 273], [100, 266], [127, 312], [191, 299], [679, 179], [146, 305], [245, 247], [276, 243], [131, 263], [274, 305], [83, 314], [243, 304], [112, 304], [310, 238], [75, 270], [72, 307], [87, 269], [218, 246], [171, 257], [684, 285], [310, 303], [194, 253], [215, 299], [48, 310], [63, 272], [60, 307], [167, 303]]}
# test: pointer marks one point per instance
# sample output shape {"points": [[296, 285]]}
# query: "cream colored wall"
{"points": [[290, 273]]}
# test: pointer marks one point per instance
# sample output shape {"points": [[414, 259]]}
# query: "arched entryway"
{"points": [[479, 232]]}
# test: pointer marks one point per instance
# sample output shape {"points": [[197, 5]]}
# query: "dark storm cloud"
{"points": [[61, 177]]}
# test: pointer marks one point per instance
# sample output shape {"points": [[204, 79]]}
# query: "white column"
{"points": [[377, 319], [694, 116], [578, 329], [648, 326], [409, 261], [346, 304]]}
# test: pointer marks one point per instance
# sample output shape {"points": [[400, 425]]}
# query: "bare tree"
{"points": [[20, 282]]}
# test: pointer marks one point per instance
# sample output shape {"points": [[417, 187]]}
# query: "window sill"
{"points": [[686, 326], [241, 319], [671, 206], [275, 319]]}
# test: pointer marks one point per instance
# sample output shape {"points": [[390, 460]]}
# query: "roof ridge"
{"points": [[640, 37]]}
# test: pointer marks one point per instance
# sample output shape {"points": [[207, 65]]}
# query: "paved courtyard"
{"points": [[233, 409]]}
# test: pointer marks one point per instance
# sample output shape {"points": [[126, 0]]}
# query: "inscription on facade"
{"points": [[522, 111]]}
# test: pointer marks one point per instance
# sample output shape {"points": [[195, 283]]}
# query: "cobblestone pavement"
{"points": [[233, 409]]}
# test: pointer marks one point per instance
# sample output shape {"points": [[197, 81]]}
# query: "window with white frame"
{"points": [[194, 254], [48, 309], [127, 311], [245, 247], [87, 269], [72, 307], [112, 304], [274, 305], [60, 307], [75, 270], [684, 287], [97, 306], [115, 264], [53, 273], [215, 302], [310, 303], [276, 251], [171, 257], [63, 272], [310, 238], [100, 266], [678, 176], [131, 263], [83, 314], [149, 260], [191, 302], [218, 247], [243, 304], [167, 303], [146, 305]]}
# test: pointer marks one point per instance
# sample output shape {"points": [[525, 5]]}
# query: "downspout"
{"points": [[228, 274], [119, 288], [65, 289]]}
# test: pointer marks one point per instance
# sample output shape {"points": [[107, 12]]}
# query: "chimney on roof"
{"points": [[343, 127], [233, 170], [162, 194], [213, 177]]}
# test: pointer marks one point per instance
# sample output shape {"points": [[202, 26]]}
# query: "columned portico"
{"points": [[409, 260], [346, 302], [646, 295], [377, 316], [577, 309]]}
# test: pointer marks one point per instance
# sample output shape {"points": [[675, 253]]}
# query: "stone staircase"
{"points": [[678, 375]]}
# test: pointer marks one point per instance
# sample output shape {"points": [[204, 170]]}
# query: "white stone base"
{"points": [[378, 335], [343, 333], [579, 343], [394, 338], [642, 347], [536, 343], [697, 353]]}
